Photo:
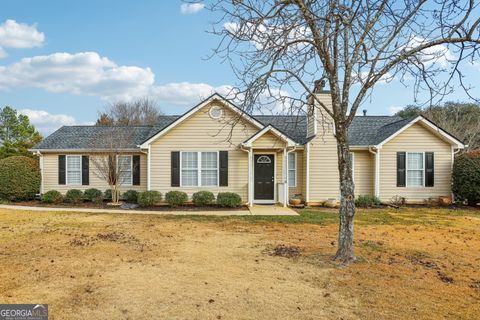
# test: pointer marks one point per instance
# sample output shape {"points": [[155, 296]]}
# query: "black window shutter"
{"points": [[61, 169], [175, 169], [429, 169], [401, 172], [85, 171], [136, 170], [223, 181]]}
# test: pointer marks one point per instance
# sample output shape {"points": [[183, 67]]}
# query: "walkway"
{"points": [[269, 210]]}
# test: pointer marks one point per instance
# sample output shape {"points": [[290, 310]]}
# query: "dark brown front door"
{"points": [[264, 176]]}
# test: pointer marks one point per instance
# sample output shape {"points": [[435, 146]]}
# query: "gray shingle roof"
{"points": [[94, 137], [365, 130], [371, 130], [295, 127]]}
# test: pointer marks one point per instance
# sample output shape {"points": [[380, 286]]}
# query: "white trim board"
{"points": [[194, 110]]}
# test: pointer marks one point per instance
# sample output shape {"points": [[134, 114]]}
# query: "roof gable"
{"points": [[272, 129], [197, 108]]}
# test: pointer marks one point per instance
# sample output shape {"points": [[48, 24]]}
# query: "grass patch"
{"points": [[404, 216]]}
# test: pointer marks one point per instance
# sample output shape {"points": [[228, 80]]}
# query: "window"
{"points": [[215, 112], [209, 169], [415, 169], [292, 169], [189, 169], [199, 169], [74, 170], [124, 164]]}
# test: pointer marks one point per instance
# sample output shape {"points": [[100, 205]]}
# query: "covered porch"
{"points": [[271, 155]]}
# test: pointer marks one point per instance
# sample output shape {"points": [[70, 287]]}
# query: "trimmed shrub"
{"points": [[229, 199], [19, 178], [203, 198], [107, 195], [74, 196], [93, 195], [176, 198], [130, 196], [365, 201], [466, 178], [149, 198], [52, 196]]}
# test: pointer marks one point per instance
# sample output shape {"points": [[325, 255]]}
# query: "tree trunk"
{"points": [[345, 252]]}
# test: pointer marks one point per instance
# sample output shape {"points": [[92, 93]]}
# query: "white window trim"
{"points": [[131, 169], [66, 170], [295, 170], [199, 170], [406, 169]]}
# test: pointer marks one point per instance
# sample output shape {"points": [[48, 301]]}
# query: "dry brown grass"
{"points": [[141, 267]]}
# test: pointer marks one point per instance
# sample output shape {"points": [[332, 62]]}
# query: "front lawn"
{"points": [[415, 263]]}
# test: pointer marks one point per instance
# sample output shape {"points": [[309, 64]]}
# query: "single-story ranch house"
{"points": [[215, 146]]}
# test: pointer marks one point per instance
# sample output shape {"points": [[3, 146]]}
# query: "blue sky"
{"points": [[67, 59]]}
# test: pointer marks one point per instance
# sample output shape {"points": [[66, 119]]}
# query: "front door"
{"points": [[264, 176]]}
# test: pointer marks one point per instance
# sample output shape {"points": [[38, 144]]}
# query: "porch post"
{"points": [[250, 184], [285, 177]]}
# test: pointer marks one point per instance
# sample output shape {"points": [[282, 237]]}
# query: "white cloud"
{"points": [[190, 8], [185, 93], [362, 77], [84, 73], [19, 35], [46, 122], [394, 109], [439, 54]]}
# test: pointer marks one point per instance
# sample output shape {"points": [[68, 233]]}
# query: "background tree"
{"points": [[143, 111], [17, 135], [279, 48], [461, 119]]}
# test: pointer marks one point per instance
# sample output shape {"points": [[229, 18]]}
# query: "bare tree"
{"points": [[277, 46], [142, 111], [110, 147]]}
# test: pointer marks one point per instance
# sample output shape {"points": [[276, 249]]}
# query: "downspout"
{"points": [[249, 179], [149, 167], [287, 190], [377, 170], [307, 174]]}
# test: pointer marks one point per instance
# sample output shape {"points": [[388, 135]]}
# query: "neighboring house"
{"points": [[215, 146]]}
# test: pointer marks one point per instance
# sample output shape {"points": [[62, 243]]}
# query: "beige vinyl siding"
{"points": [[324, 177], [199, 132], [364, 173], [415, 139], [268, 140], [299, 188], [50, 175]]}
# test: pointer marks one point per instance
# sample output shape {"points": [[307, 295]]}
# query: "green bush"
{"points": [[93, 195], [149, 198], [176, 198], [130, 196], [19, 178], [229, 199], [203, 198], [365, 201], [52, 196], [74, 196], [107, 195], [466, 178]]}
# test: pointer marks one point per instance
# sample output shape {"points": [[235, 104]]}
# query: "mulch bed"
{"points": [[104, 205]]}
